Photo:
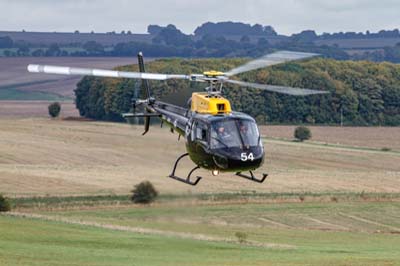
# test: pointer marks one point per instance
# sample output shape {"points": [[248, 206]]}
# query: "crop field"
{"points": [[334, 200], [20, 109], [361, 137]]}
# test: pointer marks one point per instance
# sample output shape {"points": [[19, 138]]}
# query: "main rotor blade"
{"points": [[61, 70], [270, 60], [278, 89]]}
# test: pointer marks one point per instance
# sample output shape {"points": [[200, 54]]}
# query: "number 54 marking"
{"points": [[244, 157]]}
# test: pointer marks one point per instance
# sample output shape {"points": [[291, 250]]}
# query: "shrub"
{"points": [[4, 204], [54, 109], [144, 192], [302, 133], [386, 149], [241, 237]]}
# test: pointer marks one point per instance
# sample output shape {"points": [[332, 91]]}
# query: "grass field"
{"points": [[342, 233]]}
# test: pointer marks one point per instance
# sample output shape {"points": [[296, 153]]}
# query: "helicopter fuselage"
{"points": [[226, 142], [237, 148]]}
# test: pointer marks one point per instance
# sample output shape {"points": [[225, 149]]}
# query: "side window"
{"points": [[193, 131], [201, 131]]}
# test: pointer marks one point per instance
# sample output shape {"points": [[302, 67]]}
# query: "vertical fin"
{"points": [[145, 82], [146, 88], [146, 125]]}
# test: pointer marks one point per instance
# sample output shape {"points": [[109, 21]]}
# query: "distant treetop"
{"points": [[234, 28]]}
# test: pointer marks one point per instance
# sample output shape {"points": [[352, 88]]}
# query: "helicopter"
{"points": [[217, 138]]}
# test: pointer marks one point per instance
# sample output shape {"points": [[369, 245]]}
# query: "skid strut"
{"points": [[252, 177], [187, 179]]}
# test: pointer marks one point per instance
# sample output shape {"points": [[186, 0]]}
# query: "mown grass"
{"points": [[35, 242], [26, 241]]}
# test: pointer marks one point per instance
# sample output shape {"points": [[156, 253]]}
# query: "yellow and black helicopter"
{"points": [[217, 138]]}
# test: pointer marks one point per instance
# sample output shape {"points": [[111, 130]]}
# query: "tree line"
{"points": [[213, 40], [361, 93]]}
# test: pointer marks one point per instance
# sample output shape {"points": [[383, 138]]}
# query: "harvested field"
{"points": [[53, 157], [18, 109], [370, 137]]}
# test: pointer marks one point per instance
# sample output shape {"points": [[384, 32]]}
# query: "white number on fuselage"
{"points": [[244, 157]]}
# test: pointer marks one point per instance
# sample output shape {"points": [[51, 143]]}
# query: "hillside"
{"points": [[51, 157]]}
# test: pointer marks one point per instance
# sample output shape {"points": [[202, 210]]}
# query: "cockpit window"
{"points": [[224, 134], [233, 133], [249, 132]]}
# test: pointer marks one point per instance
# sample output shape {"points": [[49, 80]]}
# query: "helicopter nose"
{"points": [[221, 161], [239, 160]]}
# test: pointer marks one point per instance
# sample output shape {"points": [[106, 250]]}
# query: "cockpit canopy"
{"points": [[228, 133], [234, 133]]}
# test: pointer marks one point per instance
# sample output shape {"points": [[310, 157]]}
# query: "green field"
{"points": [[12, 94], [203, 233]]}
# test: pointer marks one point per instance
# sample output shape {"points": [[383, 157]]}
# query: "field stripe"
{"points": [[274, 222], [336, 226], [370, 222], [141, 230]]}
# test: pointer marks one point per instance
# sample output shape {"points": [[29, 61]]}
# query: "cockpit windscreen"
{"points": [[234, 133]]}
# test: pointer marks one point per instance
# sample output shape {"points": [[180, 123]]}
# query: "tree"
{"points": [[6, 42], [54, 109], [54, 50], [144, 192], [302, 133], [4, 204], [93, 47]]}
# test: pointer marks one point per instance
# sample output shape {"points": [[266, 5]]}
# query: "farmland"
{"points": [[54, 157], [332, 200], [17, 84]]}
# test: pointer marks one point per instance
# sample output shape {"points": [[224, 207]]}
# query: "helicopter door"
{"points": [[200, 132]]}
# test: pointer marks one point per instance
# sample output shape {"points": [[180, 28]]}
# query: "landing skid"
{"points": [[187, 179], [252, 177]]}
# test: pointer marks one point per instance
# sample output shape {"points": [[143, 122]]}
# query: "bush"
{"points": [[302, 133], [241, 237], [54, 109], [4, 204], [144, 192]]}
